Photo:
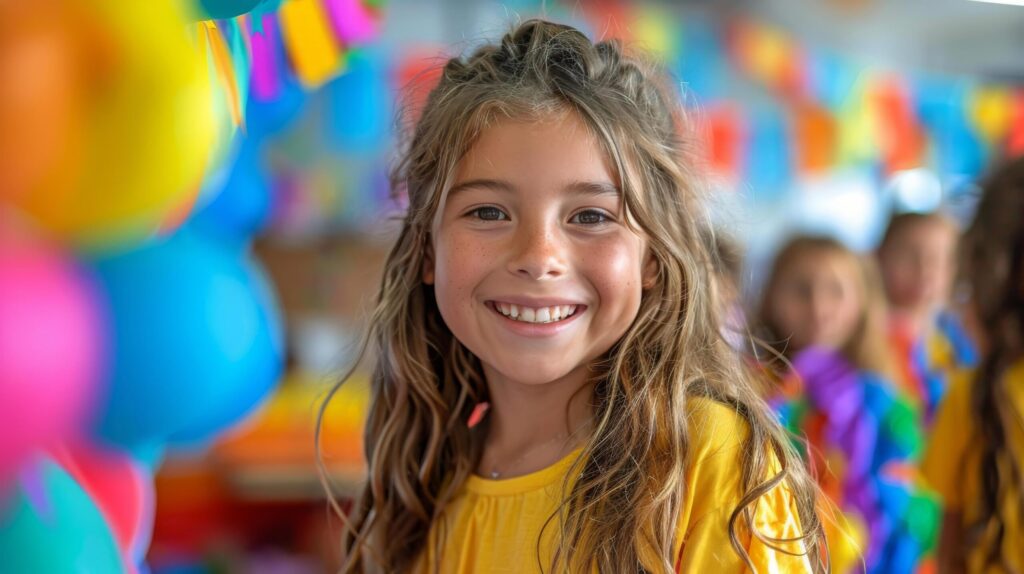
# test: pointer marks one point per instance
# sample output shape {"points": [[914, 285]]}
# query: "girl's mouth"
{"points": [[536, 315]]}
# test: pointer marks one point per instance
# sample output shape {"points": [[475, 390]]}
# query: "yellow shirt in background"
{"points": [[494, 526], [952, 467]]}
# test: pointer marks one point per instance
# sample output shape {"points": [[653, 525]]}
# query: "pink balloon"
{"points": [[51, 348]]}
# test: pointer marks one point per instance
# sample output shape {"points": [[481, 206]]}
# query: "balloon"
{"points": [[52, 345], [145, 124], [242, 207], [223, 9], [53, 527], [197, 338], [40, 93], [256, 377], [121, 488]]}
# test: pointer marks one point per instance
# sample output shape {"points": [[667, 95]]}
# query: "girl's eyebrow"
{"points": [[492, 184], [576, 187], [593, 188]]}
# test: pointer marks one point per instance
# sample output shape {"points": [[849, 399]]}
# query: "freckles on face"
{"points": [[534, 269]]}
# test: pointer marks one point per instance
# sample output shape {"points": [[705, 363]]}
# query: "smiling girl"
{"points": [[551, 390]]}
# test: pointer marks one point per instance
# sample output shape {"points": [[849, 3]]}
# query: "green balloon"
{"points": [[224, 9], [69, 535]]}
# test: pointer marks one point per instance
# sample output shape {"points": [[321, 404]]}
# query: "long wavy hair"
{"points": [[867, 347], [632, 470], [992, 263]]}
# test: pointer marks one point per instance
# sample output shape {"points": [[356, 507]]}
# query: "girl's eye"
{"points": [[589, 217], [488, 213]]}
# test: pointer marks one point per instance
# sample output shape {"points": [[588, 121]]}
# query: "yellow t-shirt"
{"points": [[951, 466], [494, 526]]}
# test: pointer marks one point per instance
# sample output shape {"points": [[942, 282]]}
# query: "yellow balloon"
{"points": [[146, 131]]}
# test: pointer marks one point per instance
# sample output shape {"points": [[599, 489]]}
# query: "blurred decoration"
{"points": [[50, 309], [281, 438], [127, 124], [242, 205], [725, 140], [222, 9], [816, 137], [120, 487], [315, 53], [359, 105], [197, 339], [52, 526], [915, 190]]}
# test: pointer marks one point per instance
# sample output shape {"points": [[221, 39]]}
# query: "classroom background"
{"points": [[194, 209]]}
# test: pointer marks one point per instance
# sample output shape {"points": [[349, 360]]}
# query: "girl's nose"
{"points": [[538, 252]]}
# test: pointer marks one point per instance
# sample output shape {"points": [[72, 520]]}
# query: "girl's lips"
{"points": [[535, 329]]}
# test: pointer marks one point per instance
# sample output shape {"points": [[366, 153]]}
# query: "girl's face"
{"points": [[533, 268], [816, 301], [918, 265]]}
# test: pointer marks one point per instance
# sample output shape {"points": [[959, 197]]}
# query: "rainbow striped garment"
{"points": [[862, 440]]}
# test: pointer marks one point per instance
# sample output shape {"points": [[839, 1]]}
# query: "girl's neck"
{"points": [[914, 320], [535, 425]]}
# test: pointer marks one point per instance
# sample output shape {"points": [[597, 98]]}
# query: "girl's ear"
{"points": [[649, 275], [428, 263]]}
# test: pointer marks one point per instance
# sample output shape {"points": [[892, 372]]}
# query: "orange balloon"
{"points": [[112, 114], [40, 93]]}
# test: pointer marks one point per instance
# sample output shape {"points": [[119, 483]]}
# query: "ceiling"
{"points": [[956, 36]]}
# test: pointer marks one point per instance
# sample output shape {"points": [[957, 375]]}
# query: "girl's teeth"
{"points": [[538, 315]]}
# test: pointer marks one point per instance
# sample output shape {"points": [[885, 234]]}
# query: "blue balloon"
{"points": [[197, 339], [58, 529], [242, 207]]}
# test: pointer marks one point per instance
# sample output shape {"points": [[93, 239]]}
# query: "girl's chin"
{"points": [[530, 375]]}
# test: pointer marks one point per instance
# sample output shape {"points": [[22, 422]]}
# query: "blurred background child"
{"points": [[917, 260], [977, 446], [824, 312]]}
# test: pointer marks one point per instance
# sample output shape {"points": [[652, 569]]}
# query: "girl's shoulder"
{"points": [[715, 487], [714, 424]]}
